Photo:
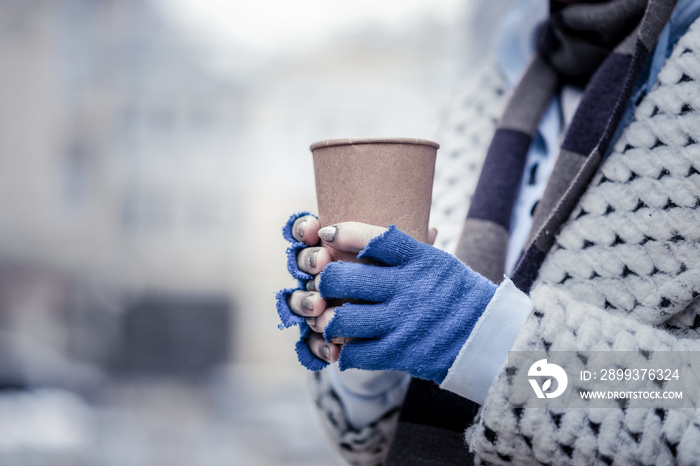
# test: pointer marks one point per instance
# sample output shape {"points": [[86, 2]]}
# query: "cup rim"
{"points": [[373, 140]]}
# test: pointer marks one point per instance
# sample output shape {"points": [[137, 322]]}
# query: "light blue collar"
{"points": [[683, 15], [515, 37]]}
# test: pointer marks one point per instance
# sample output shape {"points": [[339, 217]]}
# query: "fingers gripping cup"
{"points": [[379, 181]]}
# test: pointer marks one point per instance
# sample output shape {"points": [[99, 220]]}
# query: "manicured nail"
{"points": [[311, 321], [311, 285], [327, 234], [326, 352], [300, 230], [312, 259], [309, 302]]}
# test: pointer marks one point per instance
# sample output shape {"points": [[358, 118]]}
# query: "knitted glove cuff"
{"points": [[292, 265], [294, 248], [304, 354], [287, 228], [286, 315], [289, 319]]}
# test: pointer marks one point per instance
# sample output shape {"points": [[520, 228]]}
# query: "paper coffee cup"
{"points": [[379, 181]]}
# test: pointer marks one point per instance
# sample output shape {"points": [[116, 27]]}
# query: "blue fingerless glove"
{"points": [[425, 303], [287, 317]]}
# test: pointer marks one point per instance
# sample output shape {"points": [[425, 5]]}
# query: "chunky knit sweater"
{"points": [[624, 274]]}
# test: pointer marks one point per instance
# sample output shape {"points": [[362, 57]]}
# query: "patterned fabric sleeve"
{"points": [[624, 274], [361, 447]]}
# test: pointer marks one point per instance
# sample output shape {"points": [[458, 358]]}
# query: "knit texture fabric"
{"points": [[602, 45], [357, 447], [424, 304], [609, 435], [627, 261], [623, 274], [465, 132]]}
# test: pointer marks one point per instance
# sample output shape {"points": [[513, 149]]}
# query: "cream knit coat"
{"points": [[624, 274]]}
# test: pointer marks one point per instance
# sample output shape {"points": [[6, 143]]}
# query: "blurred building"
{"points": [[117, 148], [116, 161]]}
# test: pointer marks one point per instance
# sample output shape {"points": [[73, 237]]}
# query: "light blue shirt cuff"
{"points": [[367, 395], [486, 349]]}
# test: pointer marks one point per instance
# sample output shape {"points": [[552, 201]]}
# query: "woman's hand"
{"points": [[406, 306], [308, 303]]}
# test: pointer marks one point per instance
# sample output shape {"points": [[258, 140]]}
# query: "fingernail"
{"points": [[309, 302], [311, 285], [311, 321], [328, 233], [312, 259], [326, 352], [300, 230]]}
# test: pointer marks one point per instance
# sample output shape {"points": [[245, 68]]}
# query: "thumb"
{"points": [[349, 236]]}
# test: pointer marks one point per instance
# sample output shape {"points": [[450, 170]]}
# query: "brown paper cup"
{"points": [[379, 181]]}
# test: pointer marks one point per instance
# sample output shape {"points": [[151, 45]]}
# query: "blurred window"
{"points": [[202, 120], [202, 215], [146, 211], [163, 120], [74, 176]]}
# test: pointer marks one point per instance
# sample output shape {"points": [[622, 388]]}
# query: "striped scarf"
{"points": [[602, 45]]}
